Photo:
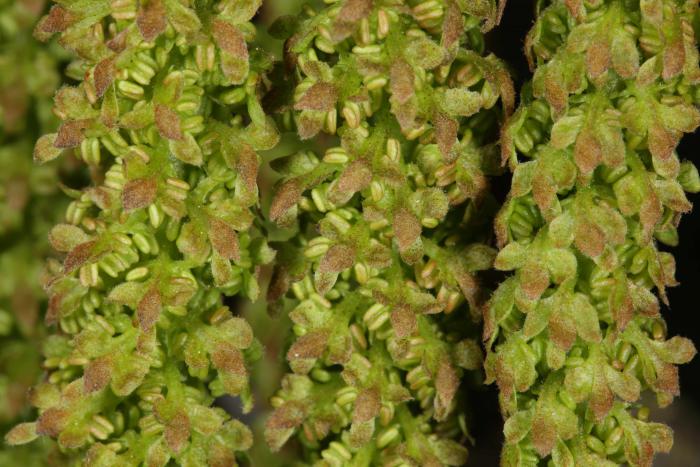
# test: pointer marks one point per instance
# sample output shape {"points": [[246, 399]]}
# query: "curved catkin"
{"points": [[30, 202], [388, 226], [575, 336], [166, 116]]}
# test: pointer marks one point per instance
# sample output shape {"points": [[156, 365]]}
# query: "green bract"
{"points": [[575, 335], [380, 275]]}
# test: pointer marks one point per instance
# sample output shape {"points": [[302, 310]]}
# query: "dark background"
{"points": [[506, 41]]}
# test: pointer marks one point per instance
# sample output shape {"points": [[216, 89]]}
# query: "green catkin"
{"points": [[381, 222], [30, 202], [574, 336], [143, 341], [388, 226]]}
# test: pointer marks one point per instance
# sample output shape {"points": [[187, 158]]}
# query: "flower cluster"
{"points": [[167, 118], [375, 233], [575, 335], [388, 228]]}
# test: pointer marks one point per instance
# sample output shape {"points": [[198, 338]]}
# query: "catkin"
{"points": [[575, 335], [144, 341], [390, 210]]}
